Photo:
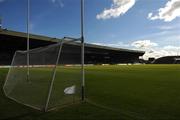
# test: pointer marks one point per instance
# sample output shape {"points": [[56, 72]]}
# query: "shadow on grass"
{"points": [[81, 111]]}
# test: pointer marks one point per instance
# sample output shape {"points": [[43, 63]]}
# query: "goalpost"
{"points": [[82, 49], [46, 77], [28, 20], [55, 75]]}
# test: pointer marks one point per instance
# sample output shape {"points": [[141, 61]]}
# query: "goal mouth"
{"points": [[54, 73]]}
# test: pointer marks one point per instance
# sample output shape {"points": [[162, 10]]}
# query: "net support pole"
{"points": [[53, 77], [28, 20], [82, 51]]}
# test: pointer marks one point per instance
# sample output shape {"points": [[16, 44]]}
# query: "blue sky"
{"points": [[133, 24]]}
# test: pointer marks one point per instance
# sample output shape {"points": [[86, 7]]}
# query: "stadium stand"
{"points": [[168, 60], [11, 41]]}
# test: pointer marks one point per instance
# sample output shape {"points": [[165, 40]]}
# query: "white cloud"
{"points": [[168, 13], [145, 44], [116, 45], [151, 49], [58, 3], [160, 52], [118, 8]]}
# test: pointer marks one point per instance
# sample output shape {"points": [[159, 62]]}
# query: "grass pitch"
{"points": [[148, 92]]}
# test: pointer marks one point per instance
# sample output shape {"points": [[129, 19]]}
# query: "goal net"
{"points": [[54, 76]]}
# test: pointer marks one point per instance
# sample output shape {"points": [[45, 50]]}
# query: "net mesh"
{"points": [[34, 90]]}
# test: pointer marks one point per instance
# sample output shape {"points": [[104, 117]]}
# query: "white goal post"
{"points": [[54, 73]]}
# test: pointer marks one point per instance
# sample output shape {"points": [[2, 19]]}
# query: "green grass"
{"points": [[148, 92]]}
